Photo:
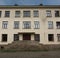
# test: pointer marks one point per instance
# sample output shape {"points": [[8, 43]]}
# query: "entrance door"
{"points": [[26, 36]]}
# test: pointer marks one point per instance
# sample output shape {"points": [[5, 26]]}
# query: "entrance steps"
{"points": [[24, 45]]}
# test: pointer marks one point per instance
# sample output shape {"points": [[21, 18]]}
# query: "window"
{"points": [[17, 13], [51, 37], [16, 24], [58, 36], [0, 13], [57, 14], [7, 13], [48, 13], [37, 37], [36, 24], [4, 24], [4, 37], [26, 24], [50, 24], [58, 25], [36, 13], [26, 14], [16, 37]]}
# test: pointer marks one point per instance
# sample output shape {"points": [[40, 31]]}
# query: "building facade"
{"points": [[38, 23]]}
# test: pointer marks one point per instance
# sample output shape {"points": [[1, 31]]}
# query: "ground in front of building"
{"points": [[44, 54]]}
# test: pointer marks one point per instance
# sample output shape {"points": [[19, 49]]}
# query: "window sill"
{"points": [[17, 16], [50, 28], [26, 28], [4, 41], [36, 28], [57, 28], [49, 16], [16, 28]]}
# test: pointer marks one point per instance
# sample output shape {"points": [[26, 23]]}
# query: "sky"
{"points": [[29, 2]]}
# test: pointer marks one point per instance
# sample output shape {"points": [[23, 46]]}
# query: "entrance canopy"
{"points": [[26, 33]]}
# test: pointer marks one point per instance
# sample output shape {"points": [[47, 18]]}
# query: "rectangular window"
{"points": [[58, 25], [16, 24], [36, 24], [48, 13], [50, 24], [26, 24], [26, 14], [50, 37], [0, 13], [4, 24], [4, 37], [37, 37], [17, 13], [36, 13], [57, 14], [7, 13], [58, 36], [16, 37]]}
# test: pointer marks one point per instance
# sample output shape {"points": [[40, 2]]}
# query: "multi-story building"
{"points": [[38, 23]]}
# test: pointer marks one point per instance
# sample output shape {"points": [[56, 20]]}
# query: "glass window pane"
{"points": [[16, 24], [48, 13], [36, 13], [36, 24], [7, 13], [17, 13], [4, 24], [26, 14], [26, 24], [50, 25]]}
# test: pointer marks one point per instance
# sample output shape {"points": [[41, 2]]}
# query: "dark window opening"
{"points": [[0, 13], [37, 37], [57, 14], [50, 37], [26, 14], [16, 37], [7, 13], [58, 37], [58, 25], [4, 37]]}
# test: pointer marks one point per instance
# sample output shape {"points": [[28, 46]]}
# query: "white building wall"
{"points": [[43, 31]]}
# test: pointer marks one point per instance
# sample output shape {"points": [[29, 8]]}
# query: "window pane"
{"points": [[50, 25], [36, 13], [16, 37], [0, 13], [48, 13], [26, 14], [51, 37], [16, 24], [26, 24], [17, 13], [7, 13], [4, 37], [37, 37], [58, 36], [36, 24], [4, 24], [58, 25], [57, 14]]}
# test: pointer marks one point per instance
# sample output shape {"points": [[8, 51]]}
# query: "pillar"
{"points": [[32, 36], [20, 37]]}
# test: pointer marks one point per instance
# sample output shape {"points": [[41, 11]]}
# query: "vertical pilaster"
{"points": [[20, 37], [32, 36]]}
